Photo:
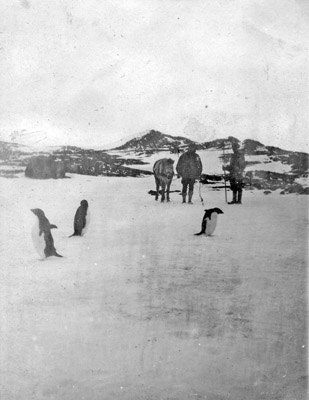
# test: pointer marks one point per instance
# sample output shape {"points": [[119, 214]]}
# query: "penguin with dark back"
{"points": [[80, 219], [209, 221], [41, 235]]}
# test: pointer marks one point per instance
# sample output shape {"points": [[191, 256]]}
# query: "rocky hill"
{"points": [[268, 167], [154, 141], [14, 159]]}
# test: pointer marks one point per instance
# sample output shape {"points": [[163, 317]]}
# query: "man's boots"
{"points": [[234, 201], [239, 197], [190, 196], [184, 195]]}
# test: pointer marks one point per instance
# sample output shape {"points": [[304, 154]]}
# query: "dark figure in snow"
{"points": [[189, 167], [80, 219], [236, 170]]}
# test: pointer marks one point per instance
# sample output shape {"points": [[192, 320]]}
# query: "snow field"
{"points": [[140, 307]]}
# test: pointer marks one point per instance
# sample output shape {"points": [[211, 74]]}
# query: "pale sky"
{"points": [[91, 72]]}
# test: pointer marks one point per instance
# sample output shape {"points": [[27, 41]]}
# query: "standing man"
{"points": [[236, 170], [189, 167]]}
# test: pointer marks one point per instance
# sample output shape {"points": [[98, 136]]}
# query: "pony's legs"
{"points": [[168, 191], [163, 192], [157, 188]]}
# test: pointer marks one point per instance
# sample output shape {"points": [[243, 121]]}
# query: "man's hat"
{"points": [[192, 146], [235, 145]]}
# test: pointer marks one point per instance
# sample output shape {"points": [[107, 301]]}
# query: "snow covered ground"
{"points": [[302, 181], [140, 308]]}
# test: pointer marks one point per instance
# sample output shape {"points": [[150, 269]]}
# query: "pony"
{"points": [[163, 170]]}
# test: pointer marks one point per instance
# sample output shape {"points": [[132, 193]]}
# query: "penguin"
{"points": [[81, 221], [41, 235], [209, 221]]}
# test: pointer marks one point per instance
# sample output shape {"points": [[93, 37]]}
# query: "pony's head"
{"points": [[169, 168], [164, 169]]}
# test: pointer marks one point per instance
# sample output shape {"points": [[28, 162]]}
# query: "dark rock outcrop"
{"points": [[42, 167]]}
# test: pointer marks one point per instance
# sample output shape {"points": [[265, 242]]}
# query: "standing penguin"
{"points": [[209, 221], [41, 235], [80, 219]]}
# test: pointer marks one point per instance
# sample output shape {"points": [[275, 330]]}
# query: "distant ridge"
{"points": [[150, 141], [128, 159], [156, 141]]}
